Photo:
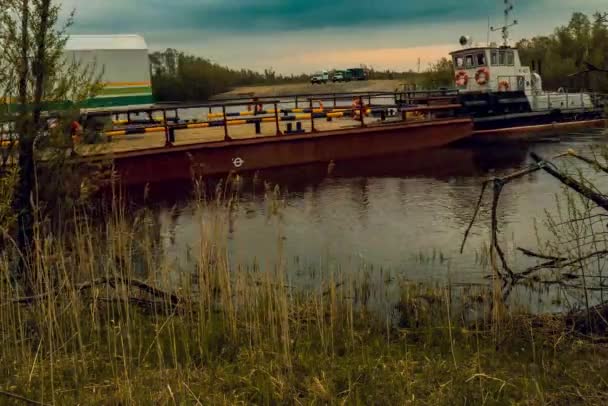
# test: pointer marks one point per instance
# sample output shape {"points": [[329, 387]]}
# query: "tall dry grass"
{"points": [[112, 320]]}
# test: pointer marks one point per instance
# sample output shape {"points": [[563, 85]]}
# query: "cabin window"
{"points": [[501, 58], [481, 59], [494, 58], [469, 61], [510, 58], [459, 61]]}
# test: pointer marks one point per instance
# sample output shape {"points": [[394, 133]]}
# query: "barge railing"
{"points": [[167, 118], [395, 111]]}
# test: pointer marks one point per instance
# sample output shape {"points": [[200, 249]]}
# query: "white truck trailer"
{"points": [[123, 62]]}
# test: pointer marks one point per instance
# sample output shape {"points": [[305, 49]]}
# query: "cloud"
{"points": [[399, 59], [263, 33], [273, 15], [223, 16]]}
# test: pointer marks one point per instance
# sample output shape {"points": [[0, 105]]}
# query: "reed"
{"points": [[114, 320]]}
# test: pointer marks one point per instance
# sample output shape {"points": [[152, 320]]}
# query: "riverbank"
{"points": [[307, 88], [366, 365], [114, 320]]}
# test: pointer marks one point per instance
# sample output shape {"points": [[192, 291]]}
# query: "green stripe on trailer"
{"points": [[123, 101], [102, 102], [125, 90]]}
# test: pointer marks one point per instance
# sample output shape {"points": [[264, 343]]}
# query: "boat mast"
{"points": [[508, 24]]}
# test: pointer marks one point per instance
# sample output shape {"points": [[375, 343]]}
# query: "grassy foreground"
{"points": [[112, 322]]}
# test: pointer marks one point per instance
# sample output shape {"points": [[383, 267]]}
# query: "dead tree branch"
{"points": [[553, 262], [498, 186], [474, 218], [598, 199], [113, 282], [20, 398], [532, 254], [563, 263], [589, 161]]}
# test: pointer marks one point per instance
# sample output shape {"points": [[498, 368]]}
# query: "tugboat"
{"points": [[499, 93]]}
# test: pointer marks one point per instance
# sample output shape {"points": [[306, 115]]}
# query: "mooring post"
{"points": [[583, 101], [226, 136], [276, 118], [312, 117], [167, 140], [362, 110]]}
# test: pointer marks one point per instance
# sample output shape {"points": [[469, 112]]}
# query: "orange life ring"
{"points": [[504, 86], [75, 128], [356, 106], [482, 77], [462, 79]]}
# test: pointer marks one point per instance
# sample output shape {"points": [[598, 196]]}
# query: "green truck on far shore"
{"points": [[349, 74]]}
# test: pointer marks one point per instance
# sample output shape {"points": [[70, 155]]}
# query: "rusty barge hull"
{"points": [[218, 158], [525, 132]]}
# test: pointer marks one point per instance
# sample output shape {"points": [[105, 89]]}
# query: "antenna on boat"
{"points": [[489, 30], [508, 24]]}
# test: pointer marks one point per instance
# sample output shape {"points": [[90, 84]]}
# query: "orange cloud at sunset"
{"points": [[398, 59]]}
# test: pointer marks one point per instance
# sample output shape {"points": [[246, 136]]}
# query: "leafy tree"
{"points": [[177, 76], [36, 80], [568, 51], [440, 74]]}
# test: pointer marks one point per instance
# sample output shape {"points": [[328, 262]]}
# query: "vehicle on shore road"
{"points": [[320, 78], [342, 76], [358, 74]]}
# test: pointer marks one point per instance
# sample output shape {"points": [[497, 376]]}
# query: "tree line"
{"points": [[177, 76], [574, 56]]}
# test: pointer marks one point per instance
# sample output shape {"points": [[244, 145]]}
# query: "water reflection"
{"points": [[442, 164], [404, 214]]}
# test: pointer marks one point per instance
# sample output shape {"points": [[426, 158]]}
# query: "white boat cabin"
{"points": [[481, 71], [491, 69], [496, 69]]}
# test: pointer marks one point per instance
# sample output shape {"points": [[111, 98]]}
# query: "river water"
{"points": [[402, 215]]}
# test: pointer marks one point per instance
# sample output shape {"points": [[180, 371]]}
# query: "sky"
{"points": [[302, 36]]}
